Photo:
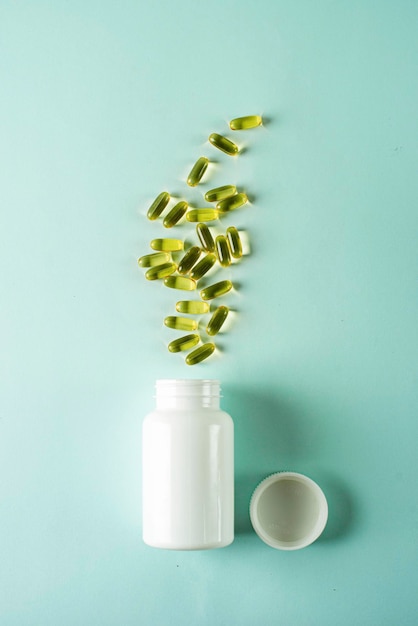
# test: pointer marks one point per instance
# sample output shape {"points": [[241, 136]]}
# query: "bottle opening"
{"points": [[182, 387]]}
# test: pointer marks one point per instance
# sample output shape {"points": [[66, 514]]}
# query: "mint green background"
{"points": [[103, 105]]}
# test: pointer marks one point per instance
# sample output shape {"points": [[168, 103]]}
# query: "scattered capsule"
{"points": [[234, 242], [195, 307], [180, 323], [205, 237], [150, 260], [180, 282], [183, 343], [189, 259], [202, 215], [201, 268], [160, 271], [216, 321], [175, 214], [234, 202], [220, 193], [215, 290], [224, 144], [167, 245], [158, 206], [200, 354], [246, 122], [222, 251], [197, 171]]}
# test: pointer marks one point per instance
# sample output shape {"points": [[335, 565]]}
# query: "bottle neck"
{"points": [[187, 394]]}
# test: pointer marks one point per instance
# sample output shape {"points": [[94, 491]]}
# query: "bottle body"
{"points": [[188, 468]]}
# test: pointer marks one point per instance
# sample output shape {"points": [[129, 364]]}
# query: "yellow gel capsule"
{"points": [[222, 251], [197, 171], [220, 193], [224, 144], [200, 353], [189, 259], [151, 260], [234, 242], [202, 215], [234, 202], [183, 343], [175, 214], [158, 206], [195, 307], [180, 323], [216, 321], [246, 122], [215, 290], [205, 237], [167, 245], [160, 271], [203, 266], [180, 282]]}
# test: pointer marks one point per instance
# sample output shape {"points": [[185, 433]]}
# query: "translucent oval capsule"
{"points": [[158, 206], [222, 251], [216, 321], [201, 268], [151, 260], [215, 290], [224, 144], [184, 343], [160, 271], [202, 215], [200, 354], [234, 242], [180, 282], [246, 122], [205, 237], [234, 202], [195, 307], [175, 214], [197, 171], [180, 323], [189, 259], [220, 193], [167, 245]]}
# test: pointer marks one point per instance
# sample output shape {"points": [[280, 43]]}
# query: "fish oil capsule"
{"points": [[183, 343], [222, 251], [215, 290], [195, 307], [205, 237], [175, 214], [189, 259], [202, 215], [180, 282], [201, 268], [180, 323], [197, 171], [234, 202], [167, 245], [224, 144], [220, 193], [150, 260], [160, 271], [234, 242], [200, 354], [216, 321], [158, 206], [246, 122]]}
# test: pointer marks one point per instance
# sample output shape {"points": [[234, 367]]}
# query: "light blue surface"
{"points": [[105, 104]]}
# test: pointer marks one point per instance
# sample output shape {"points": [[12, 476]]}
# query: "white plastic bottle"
{"points": [[188, 468]]}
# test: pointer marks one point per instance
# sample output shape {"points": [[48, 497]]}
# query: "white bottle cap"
{"points": [[288, 511]]}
